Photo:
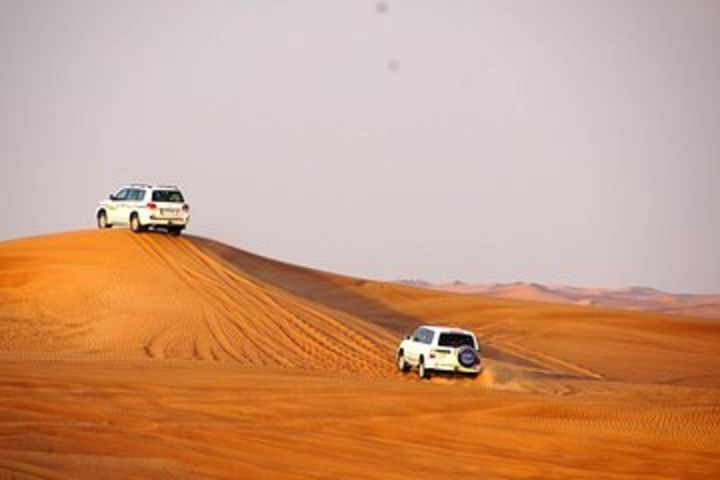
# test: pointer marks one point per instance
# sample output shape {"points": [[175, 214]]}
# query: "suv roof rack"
{"points": [[168, 186], [140, 185]]}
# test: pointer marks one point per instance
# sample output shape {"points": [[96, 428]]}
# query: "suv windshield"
{"points": [[167, 196], [455, 340]]}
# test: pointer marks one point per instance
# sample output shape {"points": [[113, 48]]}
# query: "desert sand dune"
{"points": [[152, 295], [149, 356], [631, 298]]}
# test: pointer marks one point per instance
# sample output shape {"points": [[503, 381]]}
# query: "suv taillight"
{"points": [[186, 208], [151, 206]]}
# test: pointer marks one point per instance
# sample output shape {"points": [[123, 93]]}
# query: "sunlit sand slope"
{"points": [[116, 293], [69, 419]]}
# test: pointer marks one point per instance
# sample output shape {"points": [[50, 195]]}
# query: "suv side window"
{"points": [[137, 195], [122, 194], [423, 335]]}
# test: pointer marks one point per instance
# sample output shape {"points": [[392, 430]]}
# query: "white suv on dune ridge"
{"points": [[144, 206], [440, 349]]}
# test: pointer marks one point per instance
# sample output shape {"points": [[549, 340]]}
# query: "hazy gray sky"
{"points": [[571, 142]]}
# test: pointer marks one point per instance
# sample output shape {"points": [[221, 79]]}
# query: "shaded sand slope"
{"points": [[116, 293], [561, 339], [381, 303]]}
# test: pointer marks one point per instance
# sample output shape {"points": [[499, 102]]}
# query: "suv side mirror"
{"points": [[407, 337], [111, 196]]}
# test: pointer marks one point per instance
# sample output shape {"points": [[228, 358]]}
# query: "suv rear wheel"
{"points": [[423, 372], [135, 225]]}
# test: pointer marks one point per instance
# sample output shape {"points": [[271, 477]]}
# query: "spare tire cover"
{"points": [[467, 357]]}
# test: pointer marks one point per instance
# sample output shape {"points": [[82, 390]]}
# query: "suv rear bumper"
{"points": [[466, 372], [166, 221], [148, 219], [453, 368]]}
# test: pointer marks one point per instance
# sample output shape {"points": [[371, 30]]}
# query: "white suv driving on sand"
{"points": [[145, 206], [439, 349]]}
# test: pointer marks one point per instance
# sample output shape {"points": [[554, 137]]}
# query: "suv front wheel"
{"points": [[403, 366], [102, 220]]}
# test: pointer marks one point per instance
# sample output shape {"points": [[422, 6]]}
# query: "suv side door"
{"points": [[135, 200], [115, 207], [416, 345], [425, 343], [410, 347]]}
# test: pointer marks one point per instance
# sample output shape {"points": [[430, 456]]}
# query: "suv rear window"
{"points": [[167, 196], [455, 340]]}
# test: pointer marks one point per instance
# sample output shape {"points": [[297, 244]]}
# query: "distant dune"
{"points": [[150, 356], [630, 298]]}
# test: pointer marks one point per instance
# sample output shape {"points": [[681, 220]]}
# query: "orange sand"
{"points": [[149, 356]]}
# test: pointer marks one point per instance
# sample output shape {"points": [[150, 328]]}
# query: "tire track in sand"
{"points": [[254, 325]]}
